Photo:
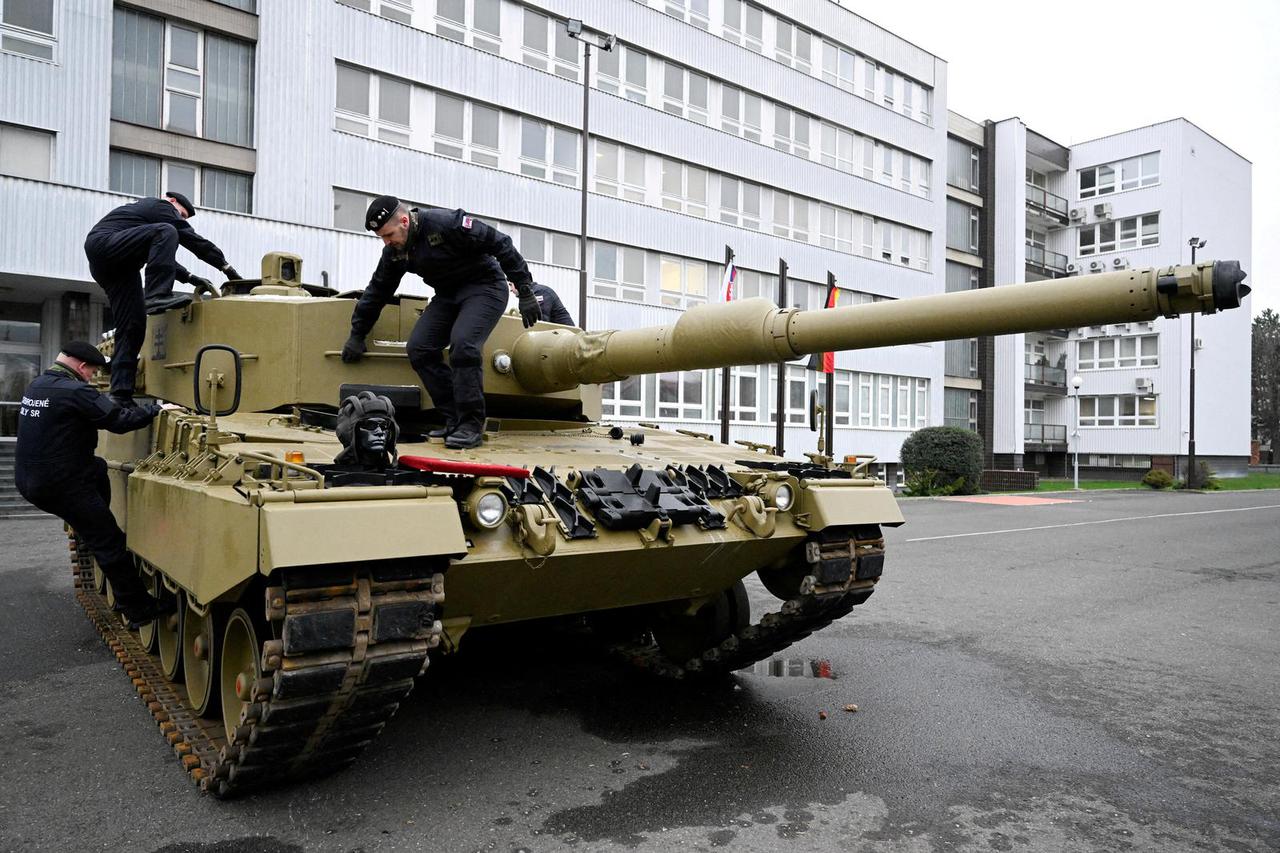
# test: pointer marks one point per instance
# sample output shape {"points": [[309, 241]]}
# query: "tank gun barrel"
{"points": [[754, 331]]}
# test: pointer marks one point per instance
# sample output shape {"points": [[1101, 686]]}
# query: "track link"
{"points": [[815, 608], [322, 699]]}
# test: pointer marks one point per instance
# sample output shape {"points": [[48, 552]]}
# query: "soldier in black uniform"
{"points": [[550, 308], [56, 470], [467, 263], [148, 232]]}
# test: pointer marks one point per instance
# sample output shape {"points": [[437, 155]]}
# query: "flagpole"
{"points": [[831, 380], [724, 375], [781, 427]]}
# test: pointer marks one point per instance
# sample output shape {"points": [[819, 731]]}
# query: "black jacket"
{"points": [[449, 249], [550, 306], [149, 211], [59, 419]]}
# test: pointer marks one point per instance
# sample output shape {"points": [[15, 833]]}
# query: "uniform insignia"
{"points": [[434, 239], [466, 221], [373, 223]]}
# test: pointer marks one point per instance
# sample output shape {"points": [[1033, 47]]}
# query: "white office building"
{"points": [[791, 131]]}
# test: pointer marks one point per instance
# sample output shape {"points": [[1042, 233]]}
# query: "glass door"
{"points": [[20, 358]]}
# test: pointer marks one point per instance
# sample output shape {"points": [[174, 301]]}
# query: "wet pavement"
{"points": [[1104, 681]]}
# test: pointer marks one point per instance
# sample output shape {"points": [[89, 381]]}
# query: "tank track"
{"points": [[311, 713], [813, 609]]}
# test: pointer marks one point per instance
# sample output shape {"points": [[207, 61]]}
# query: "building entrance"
{"points": [[20, 359]]}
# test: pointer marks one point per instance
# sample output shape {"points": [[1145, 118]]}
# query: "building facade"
{"points": [[792, 132]]}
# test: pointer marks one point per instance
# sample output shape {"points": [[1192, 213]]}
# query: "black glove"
{"points": [[530, 313], [353, 350], [154, 409], [202, 285], [230, 272]]}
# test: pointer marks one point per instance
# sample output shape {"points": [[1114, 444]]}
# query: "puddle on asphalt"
{"points": [[793, 668]]}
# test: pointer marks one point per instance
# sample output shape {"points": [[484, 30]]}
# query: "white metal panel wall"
{"points": [[71, 96], [1009, 256]]}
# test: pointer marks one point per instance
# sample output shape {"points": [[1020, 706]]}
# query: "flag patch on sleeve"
{"points": [[466, 221]]}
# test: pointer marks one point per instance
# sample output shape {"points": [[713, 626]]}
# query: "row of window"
{"points": [[1129, 233], [1118, 411], [1128, 174], [206, 186], [870, 400], [1118, 351], [176, 77]]}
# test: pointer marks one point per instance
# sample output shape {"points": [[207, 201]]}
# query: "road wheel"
{"points": [[683, 637], [201, 641], [169, 639], [148, 633], [240, 668]]}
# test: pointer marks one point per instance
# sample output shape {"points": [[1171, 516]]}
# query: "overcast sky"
{"points": [[1214, 63]]}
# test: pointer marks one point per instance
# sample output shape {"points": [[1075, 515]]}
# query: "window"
{"points": [[891, 402], [962, 227], [26, 27], [546, 247], [1129, 233], [548, 148], [684, 187], [466, 130], [740, 112], [26, 152], [682, 395], [624, 71], [1125, 410], [619, 171], [739, 202], [791, 131], [790, 216], [960, 409], [548, 46], [475, 22], [744, 24], [835, 228], [794, 45], [182, 79], [837, 147], [837, 67], [683, 282], [373, 105], [693, 11], [1133, 172], [618, 272], [206, 186], [1127, 351], [962, 165], [348, 209], [889, 93], [622, 399], [746, 402], [684, 92]]}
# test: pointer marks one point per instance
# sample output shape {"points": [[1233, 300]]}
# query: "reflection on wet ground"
{"points": [[792, 668]]}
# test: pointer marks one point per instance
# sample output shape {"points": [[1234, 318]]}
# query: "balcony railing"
{"points": [[1043, 374], [1047, 204], [1049, 263], [1044, 433]]}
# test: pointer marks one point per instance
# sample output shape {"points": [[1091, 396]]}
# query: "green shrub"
{"points": [[1157, 479], [928, 483], [954, 455], [1207, 478]]}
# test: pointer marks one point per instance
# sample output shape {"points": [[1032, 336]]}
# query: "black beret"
{"points": [[382, 209], [184, 201], [86, 352]]}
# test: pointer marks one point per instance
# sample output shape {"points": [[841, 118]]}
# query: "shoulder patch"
{"points": [[434, 239], [467, 221]]}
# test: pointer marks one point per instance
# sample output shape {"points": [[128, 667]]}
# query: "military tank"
{"points": [[309, 591]]}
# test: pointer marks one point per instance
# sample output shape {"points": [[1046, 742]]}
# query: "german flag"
{"points": [[825, 362]]}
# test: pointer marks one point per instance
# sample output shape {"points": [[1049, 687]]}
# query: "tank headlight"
{"points": [[502, 362], [784, 497], [489, 510]]}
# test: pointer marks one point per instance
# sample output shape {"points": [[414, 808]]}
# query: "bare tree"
{"points": [[1266, 379]]}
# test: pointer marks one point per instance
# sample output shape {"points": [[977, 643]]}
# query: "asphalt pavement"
{"points": [[1095, 675]]}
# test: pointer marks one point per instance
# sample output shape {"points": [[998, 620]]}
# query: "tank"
{"points": [[309, 568]]}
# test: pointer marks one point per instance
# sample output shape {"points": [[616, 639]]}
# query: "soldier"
{"points": [[467, 263], [550, 308], [56, 470], [147, 232]]}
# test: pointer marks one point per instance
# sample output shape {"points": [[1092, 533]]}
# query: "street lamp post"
{"points": [[1194, 243], [1076, 382], [573, 27]]}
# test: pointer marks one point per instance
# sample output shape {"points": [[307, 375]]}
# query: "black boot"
{"points": [[464, 437], [141, 608], [161, 304]]}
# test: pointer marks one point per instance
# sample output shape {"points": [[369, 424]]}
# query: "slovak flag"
{"points": [[729, 282]]}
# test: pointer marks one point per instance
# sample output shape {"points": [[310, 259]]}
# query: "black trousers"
{"points": [[462, 321], [114, 262], [81, 496]]}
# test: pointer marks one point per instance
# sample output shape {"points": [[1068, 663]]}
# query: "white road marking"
{"points": [[1087, 523]]}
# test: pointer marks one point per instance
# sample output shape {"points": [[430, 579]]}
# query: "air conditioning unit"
{"points": [[1143, 384], [1095, 266], [1072, 269], [1076, 214], [1120, 263], [1103, 210]]}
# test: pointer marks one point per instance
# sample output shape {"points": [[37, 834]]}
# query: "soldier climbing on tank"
{"points": [[55, 468], [467, 263], [550, 308], [147, 232]]}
